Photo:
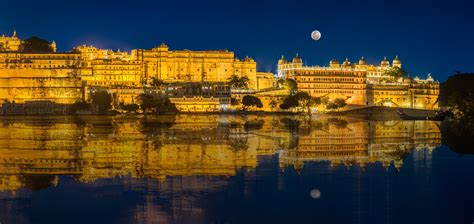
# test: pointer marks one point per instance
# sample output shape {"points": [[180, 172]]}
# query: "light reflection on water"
{"points": [[230, 169]]}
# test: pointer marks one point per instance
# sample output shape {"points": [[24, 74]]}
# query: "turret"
{"points": [[53, 46], [346, 63], [396, 62], [362, 61], [162, 47], [297, 59], [282, 60], [385, 63], [334, 63], [429, 78]]}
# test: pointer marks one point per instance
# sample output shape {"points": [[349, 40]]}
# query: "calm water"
{"points": [[233, 169]]}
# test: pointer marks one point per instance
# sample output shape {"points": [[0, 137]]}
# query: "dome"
{"points": [[334, 62], [396, 60], [346, 62], [161, 47], [384, 62], [429, 78], [282, 60], [297, 59], [362, 61]]}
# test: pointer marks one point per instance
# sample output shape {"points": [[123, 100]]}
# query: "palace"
{"points": [[362, 84], [72, 76], [68, 77]]}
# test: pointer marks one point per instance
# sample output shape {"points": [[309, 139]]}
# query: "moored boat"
{"points": [[438, 116]]}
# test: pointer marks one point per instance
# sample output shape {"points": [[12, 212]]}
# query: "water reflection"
{"points": [[187, 145], [178, 159]]}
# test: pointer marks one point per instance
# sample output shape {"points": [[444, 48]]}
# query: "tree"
{"points": [[288, 84], [102, 100], [238, 82], [281, 83], [234, 101], [35, 45], [157, 83], [325, 100], [336, 104], [300, 99], [462, 105], [305, 101], [396, 72], [289, 102], [251, 101], [80, 105], [164, 105], [146, 101], [133, 107], [273, 104]]}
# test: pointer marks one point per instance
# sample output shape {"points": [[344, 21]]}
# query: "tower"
{"points": [[396, 62], [384, 63], [53, 46]]}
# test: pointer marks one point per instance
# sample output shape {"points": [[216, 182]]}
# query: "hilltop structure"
{"points": [[68, 77]]}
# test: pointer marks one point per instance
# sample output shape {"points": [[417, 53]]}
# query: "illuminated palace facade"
{"points": [[71, 76], [361, 83], [68, 77]]}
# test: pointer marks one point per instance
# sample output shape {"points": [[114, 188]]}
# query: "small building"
{"points": [[40, 107], [199, 96]]}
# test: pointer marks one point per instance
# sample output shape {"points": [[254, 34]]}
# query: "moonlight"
{"points": [[316, 35]]}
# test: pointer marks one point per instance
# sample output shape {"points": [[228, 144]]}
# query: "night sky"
{"points": [[429, 36]]}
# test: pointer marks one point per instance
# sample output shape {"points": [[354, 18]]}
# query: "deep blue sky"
{"points": [[429, 36]]}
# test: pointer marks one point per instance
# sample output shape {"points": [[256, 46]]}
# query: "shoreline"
{"points": [[365, 113]]}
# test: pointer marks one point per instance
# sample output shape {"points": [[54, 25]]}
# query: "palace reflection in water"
{"points": [[180, 158]]}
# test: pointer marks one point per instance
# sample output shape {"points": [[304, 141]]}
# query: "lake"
{"points": [[233, 169]]}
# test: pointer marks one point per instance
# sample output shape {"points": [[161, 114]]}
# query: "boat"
{"points": [[439, 116]]}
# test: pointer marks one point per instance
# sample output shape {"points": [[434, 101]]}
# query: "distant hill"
{"points": [[458, 82]]}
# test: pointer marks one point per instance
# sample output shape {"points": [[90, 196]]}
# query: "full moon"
{"points": [[315, 193], [316, 35]]}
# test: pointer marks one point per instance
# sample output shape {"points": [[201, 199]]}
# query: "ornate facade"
{"points": [[199, 96], [194, 66], [10, 43], [70, 77], [29, 76], [362, 84]]}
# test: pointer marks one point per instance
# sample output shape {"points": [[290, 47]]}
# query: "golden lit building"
{"points": [[362, 84], [10, 43], [416, 93], [194, 66], [73, 76], [30, 76], [265, 80], [199, 96]]}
